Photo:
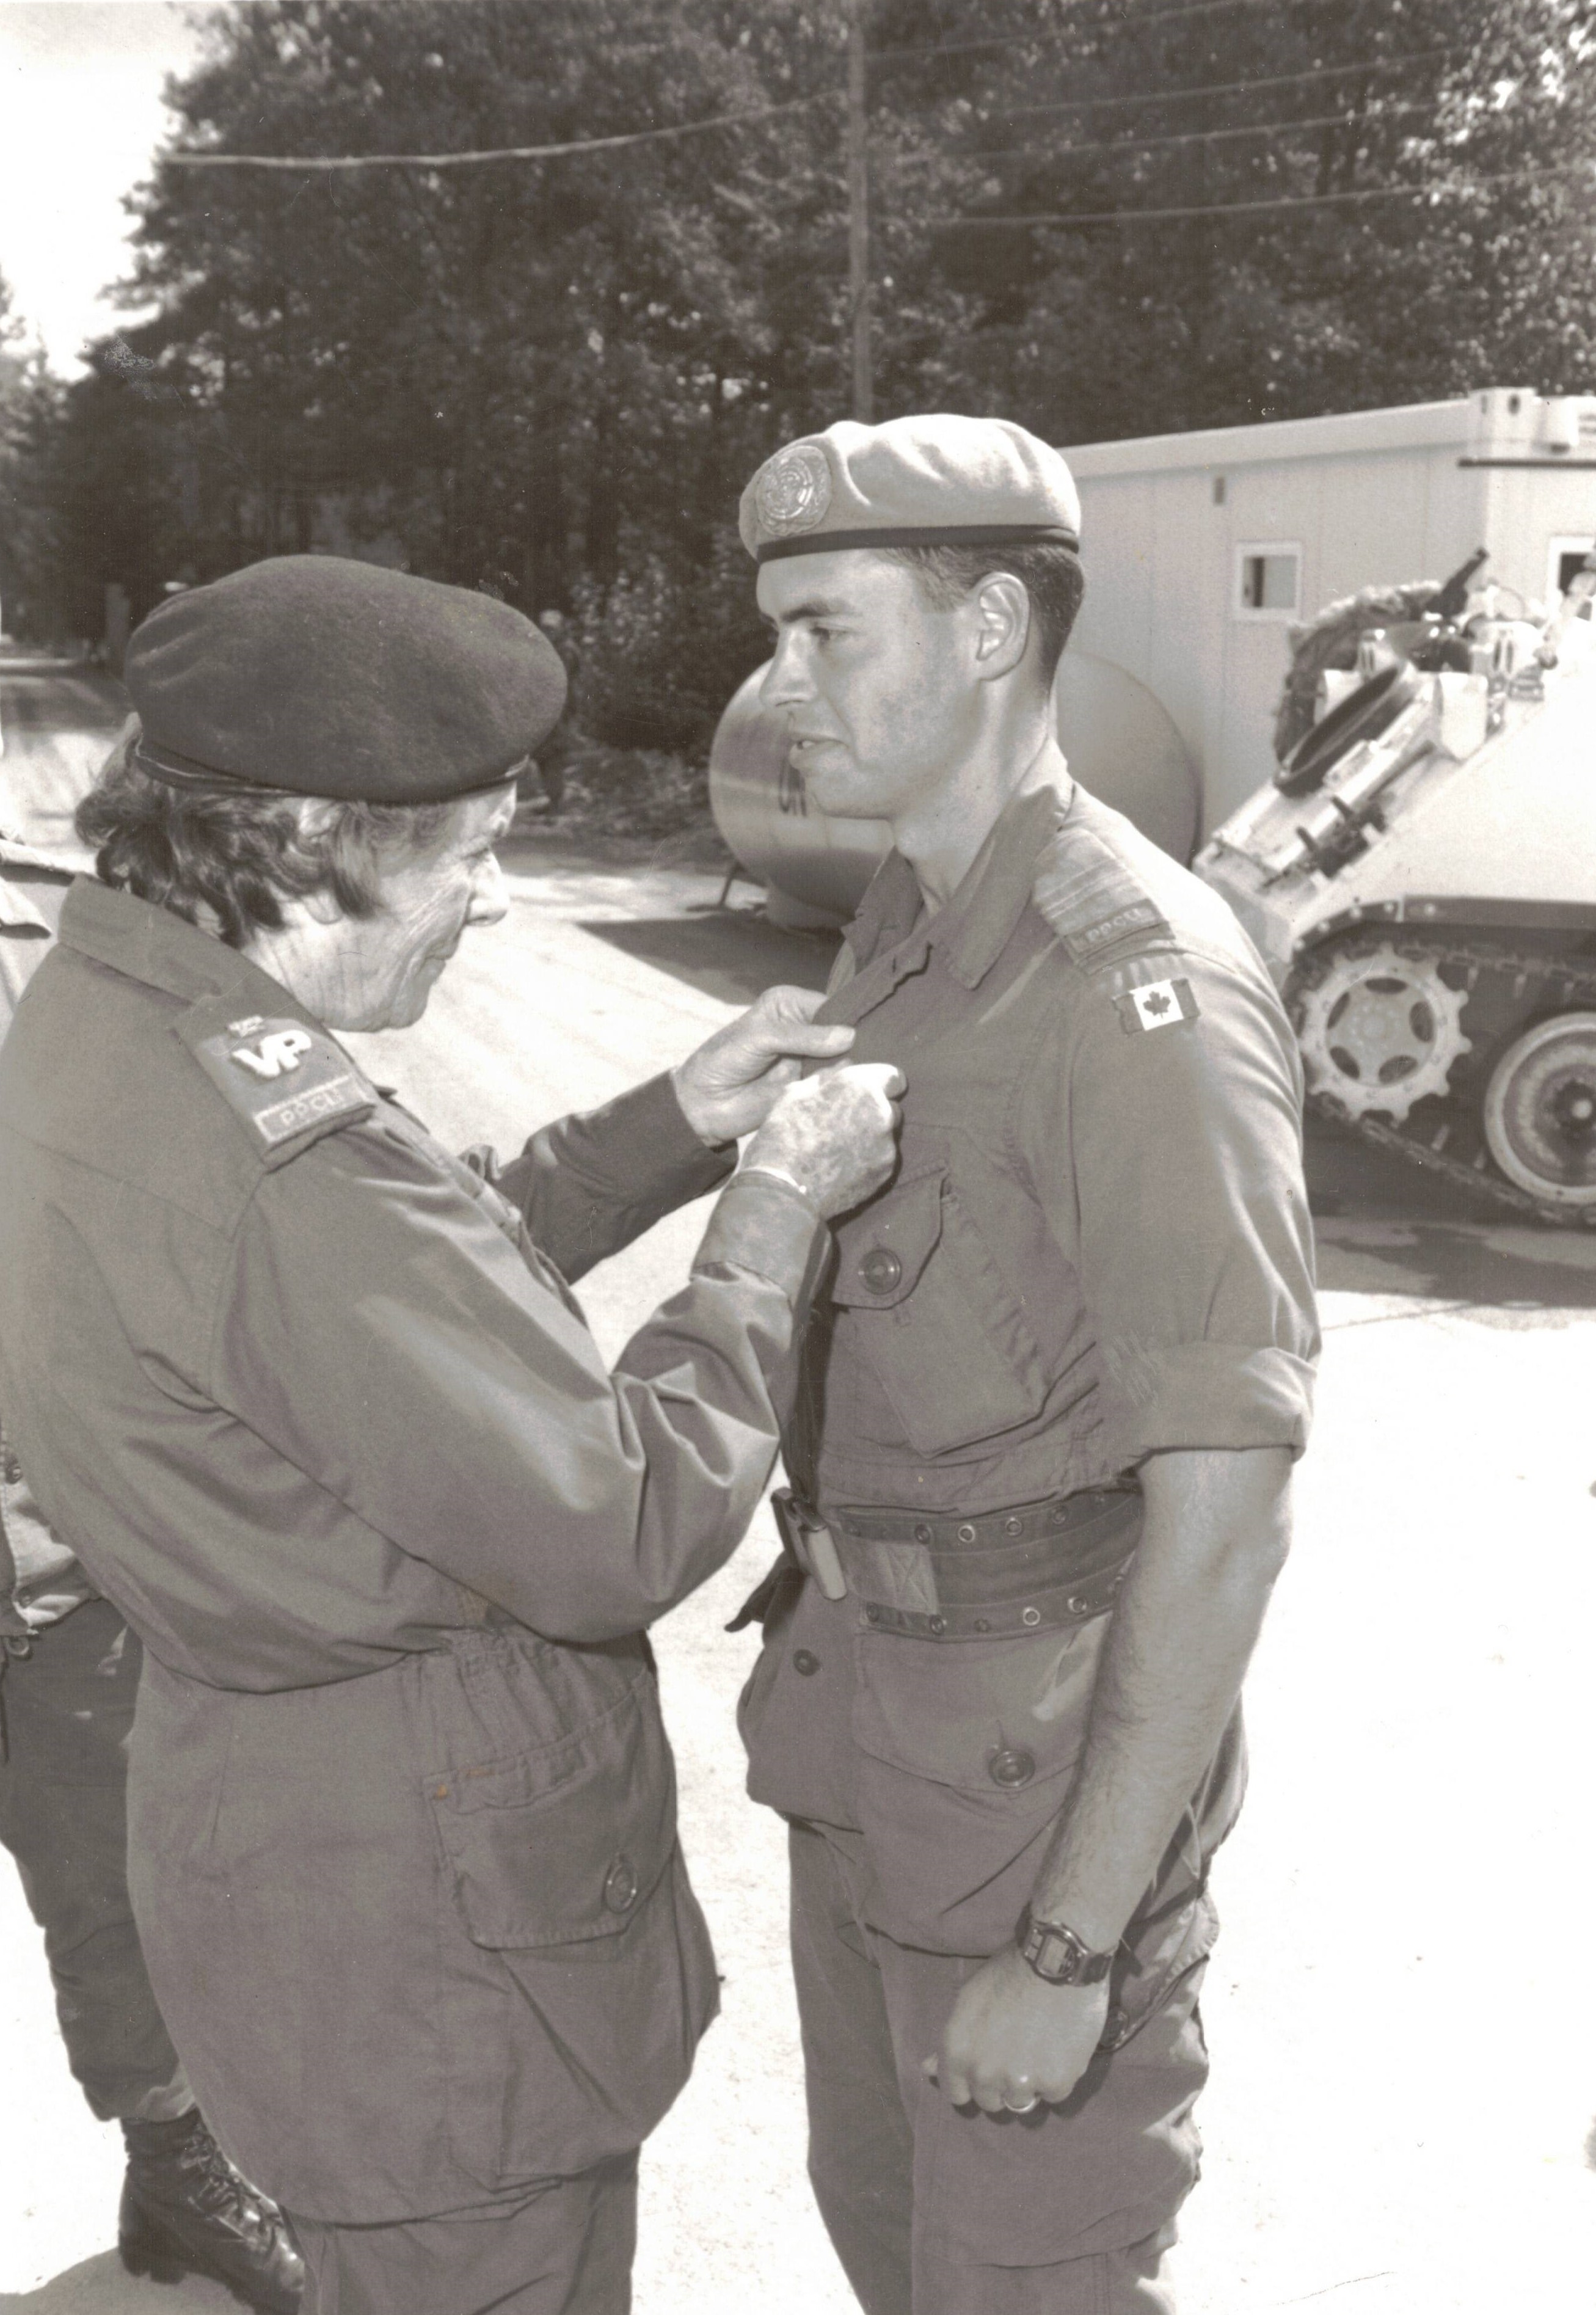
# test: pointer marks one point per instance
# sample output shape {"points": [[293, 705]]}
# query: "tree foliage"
{"points": [[552, 378]]}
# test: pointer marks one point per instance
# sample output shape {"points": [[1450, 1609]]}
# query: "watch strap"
{"points": [[1056, 1955]]}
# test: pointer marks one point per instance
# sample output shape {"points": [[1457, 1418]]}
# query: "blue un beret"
{"points": [[935, 480], [317, 676]]}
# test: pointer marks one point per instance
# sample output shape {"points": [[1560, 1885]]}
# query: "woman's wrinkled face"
{"points": [[392, 961]]}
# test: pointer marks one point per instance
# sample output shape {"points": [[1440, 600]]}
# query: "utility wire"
{"points": [[1036, 39], [1230, 87], [1156, 143], [194, 160], [1292, 201]]}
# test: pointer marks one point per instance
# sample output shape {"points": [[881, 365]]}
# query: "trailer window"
{"points": [[1268, 581], [1566, 560]]}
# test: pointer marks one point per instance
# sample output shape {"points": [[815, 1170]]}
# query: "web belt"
{"points": [[943, 1577]]}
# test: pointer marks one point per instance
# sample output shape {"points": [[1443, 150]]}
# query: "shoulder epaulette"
{"points": [[285, 1080], [1092, 902]]}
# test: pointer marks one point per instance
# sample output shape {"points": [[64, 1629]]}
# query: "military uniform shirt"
{"points": [[1097, 1247]]}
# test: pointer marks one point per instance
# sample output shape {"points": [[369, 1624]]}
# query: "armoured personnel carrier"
{"points": [[1420, 879]]}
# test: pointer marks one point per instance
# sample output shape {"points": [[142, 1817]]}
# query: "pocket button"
{"points": [[620, 1885], [1011, 1767], [880, 1270]]}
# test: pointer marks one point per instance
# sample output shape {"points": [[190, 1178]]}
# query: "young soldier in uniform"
{"points": [[314, 1401], [1051, 1397]]}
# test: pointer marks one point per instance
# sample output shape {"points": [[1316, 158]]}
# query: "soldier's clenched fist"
{"points": [[835, 1134]]}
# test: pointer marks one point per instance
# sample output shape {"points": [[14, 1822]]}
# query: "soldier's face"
{"points": [[876, 685], [394, 958]]}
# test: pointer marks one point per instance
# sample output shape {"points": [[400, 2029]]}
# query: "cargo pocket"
{"points": [[966, 1751], [561, 1846], [585, 1975], [943, 1332]]}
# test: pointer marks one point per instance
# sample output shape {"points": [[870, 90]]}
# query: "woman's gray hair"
{"points": [[229, 856]]}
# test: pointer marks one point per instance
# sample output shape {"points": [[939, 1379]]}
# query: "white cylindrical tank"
{"points": [[1120, 744]]}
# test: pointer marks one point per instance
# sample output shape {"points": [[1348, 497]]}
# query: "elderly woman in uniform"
{"points": [[313, 1401]]}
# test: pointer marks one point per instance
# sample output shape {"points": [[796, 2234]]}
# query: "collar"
{"points": [[978, 922], [151, 944]]}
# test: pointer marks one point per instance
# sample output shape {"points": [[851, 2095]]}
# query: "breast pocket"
{"points": [[930, 1309]]}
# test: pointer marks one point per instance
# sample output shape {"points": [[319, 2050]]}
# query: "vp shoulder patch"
{"points": [[1156, 1005], [1092, 903], [283, 1077]]}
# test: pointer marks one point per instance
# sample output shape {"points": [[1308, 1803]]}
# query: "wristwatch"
{"points": [[1057, 1955]]}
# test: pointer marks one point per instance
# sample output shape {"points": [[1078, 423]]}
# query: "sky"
{"points": [[80, 116]]}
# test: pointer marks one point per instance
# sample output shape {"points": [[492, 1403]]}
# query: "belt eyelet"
{"points": [[1031, 1617], [966, 1533], [1012, 1526], [937, 1624]]}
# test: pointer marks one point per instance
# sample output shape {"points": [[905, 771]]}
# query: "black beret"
{"points": [[317, 676]]}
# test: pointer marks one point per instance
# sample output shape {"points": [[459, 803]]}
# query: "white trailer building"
{"points": [[1201, 550]]}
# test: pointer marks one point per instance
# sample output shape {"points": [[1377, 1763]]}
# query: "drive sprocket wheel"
{"points": [[1379, 1030], [1540, 1112]]}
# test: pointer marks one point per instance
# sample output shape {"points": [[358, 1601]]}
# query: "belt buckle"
{"points": [[809, 1541]]}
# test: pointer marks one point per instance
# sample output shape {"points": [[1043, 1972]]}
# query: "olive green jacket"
{"points": [[314, 1404]]}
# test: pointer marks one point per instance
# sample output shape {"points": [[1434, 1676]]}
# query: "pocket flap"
{"points": [[565, 1844], [881, 1252]]}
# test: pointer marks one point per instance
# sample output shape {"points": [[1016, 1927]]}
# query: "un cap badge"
{"points": [[794, 491]]}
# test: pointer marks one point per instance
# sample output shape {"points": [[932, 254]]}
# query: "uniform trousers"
{"points": [[935, 2210], [565, 2248], [67, 1698]]}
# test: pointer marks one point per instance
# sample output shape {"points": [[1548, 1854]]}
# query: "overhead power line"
{"points": [[189, 158], [193, 160], [1156, 143], [1287, 201], [1230, 87], [1135, 23]]}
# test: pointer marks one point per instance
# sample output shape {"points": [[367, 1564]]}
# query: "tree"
{"points": [[30, 560], [551, 378], [1426, 255]]}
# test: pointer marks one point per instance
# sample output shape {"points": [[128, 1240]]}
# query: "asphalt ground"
{"points": [[1401, 2117]]}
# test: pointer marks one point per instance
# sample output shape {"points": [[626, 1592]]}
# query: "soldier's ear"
{"points": [[1003, 612]]}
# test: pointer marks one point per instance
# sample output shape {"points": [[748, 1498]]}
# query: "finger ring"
{"points": [[1030, 2105]]}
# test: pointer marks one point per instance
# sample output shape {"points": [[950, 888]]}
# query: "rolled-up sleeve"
{"points": [[1181, 1203], [380, 1331]]}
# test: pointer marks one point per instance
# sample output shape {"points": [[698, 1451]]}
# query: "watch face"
{"points": [[1057, 1955]]}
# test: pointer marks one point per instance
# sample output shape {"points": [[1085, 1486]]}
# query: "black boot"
{"points": [[187, 2210]]}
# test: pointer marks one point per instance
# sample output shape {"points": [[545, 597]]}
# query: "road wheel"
{"points": [[1379, 1030], [1540, 1111]]}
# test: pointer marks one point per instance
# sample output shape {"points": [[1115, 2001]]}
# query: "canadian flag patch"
{"points": [[1155, 1006]]}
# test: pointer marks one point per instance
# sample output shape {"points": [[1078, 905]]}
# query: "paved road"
{"points": [[1405, 2059]]}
